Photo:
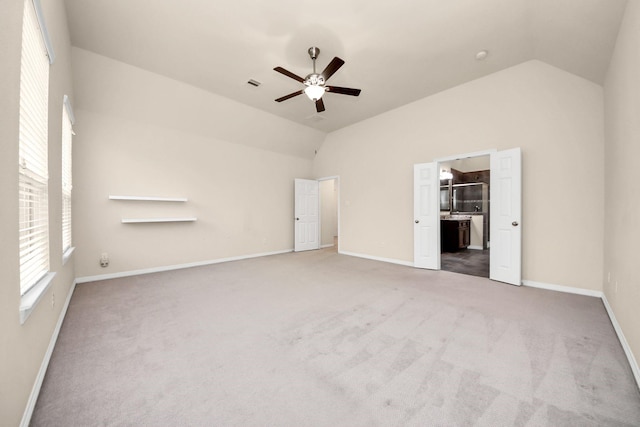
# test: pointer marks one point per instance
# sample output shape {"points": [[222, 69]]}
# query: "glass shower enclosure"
{"points": [[470, 198]]}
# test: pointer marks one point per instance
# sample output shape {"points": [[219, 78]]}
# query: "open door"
{"points": [[506, 213], [306, 214], [426, 207]]}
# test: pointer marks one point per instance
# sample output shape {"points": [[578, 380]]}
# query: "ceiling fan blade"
{"points": [[343, 90], [333, 66], [320, 105], [289, 74], [291, 95]]}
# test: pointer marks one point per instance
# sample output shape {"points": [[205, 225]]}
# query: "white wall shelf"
{"points": [[149, 199], [149, 220]]}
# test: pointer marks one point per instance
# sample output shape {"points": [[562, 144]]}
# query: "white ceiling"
{"points": [[395, 51]]}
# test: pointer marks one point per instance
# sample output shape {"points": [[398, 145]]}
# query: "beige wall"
{"points": [[557, 119], [22, 347], [622, 132], [142, 134]]}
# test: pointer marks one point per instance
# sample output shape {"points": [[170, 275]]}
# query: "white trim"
{"points": [[326, 246], [147, 220], [329, 178], [560, 288], [35, 391], [67, 105], [467, 155], [67, 255], [475, 248], [633, 363], [149, 198], [30, 299], [175, 267], [43, 30], [439, 160], [377, 258]]}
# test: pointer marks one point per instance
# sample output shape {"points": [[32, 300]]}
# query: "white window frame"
{"points": [[68, 120], [33, 175]]}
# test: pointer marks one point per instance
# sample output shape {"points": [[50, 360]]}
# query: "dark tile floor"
{"points": [[466, 261]]}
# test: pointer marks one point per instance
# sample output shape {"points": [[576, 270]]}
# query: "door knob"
{"points": [[514, 223], [417, 221]]}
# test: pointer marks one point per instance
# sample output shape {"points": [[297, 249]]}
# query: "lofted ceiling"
{"points": [[395, 51]]}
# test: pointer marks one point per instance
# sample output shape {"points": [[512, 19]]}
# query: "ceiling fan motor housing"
{"points": [[314, 80]]}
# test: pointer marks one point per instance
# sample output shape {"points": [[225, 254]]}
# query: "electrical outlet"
{"points": [[104, 260]]}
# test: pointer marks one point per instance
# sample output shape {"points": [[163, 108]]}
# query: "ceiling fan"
{"points": [[315, 83]]}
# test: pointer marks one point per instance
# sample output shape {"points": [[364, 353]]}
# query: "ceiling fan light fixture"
{"points": [[314, 92], [315, 82]]}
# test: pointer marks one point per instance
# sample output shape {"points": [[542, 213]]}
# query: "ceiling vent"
{"points": [[254, 82]]}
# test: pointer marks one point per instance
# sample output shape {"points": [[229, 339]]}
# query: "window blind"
{"points": [[33, 168], [67, 138]]}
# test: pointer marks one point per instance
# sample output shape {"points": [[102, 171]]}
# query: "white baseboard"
{"points": [[475, 248], [376, 258], [327, 245], [633, 363], [623, 341], [560, 288], [35, 391], [86, 279]]}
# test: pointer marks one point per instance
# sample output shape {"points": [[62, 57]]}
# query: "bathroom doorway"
{"points": [[465, 215], [329, 215], [505, 260]]}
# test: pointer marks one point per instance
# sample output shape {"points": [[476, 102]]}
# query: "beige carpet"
{"points": [[321, 339]]}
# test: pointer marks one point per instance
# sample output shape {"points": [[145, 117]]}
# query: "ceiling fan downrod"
{"points": [[313, 53]]}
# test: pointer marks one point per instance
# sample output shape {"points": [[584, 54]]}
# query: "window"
{"points": [[33, 168], [67, 137]]}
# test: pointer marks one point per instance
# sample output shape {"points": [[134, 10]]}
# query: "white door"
{"points": [[426, 216], [506, 213], [306, 215]]}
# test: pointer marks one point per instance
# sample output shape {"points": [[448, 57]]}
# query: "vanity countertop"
{"points": [[456, 217]]}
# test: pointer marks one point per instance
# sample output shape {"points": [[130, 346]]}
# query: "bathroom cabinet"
{"points": [[455, 234]]}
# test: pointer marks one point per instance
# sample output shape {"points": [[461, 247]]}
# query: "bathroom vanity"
{"points": [[455, 233], [464, 210]]}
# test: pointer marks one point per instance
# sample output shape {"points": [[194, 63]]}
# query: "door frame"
{"points": [[329, 178], [466, 156], [490, 153], [460, 157]]}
